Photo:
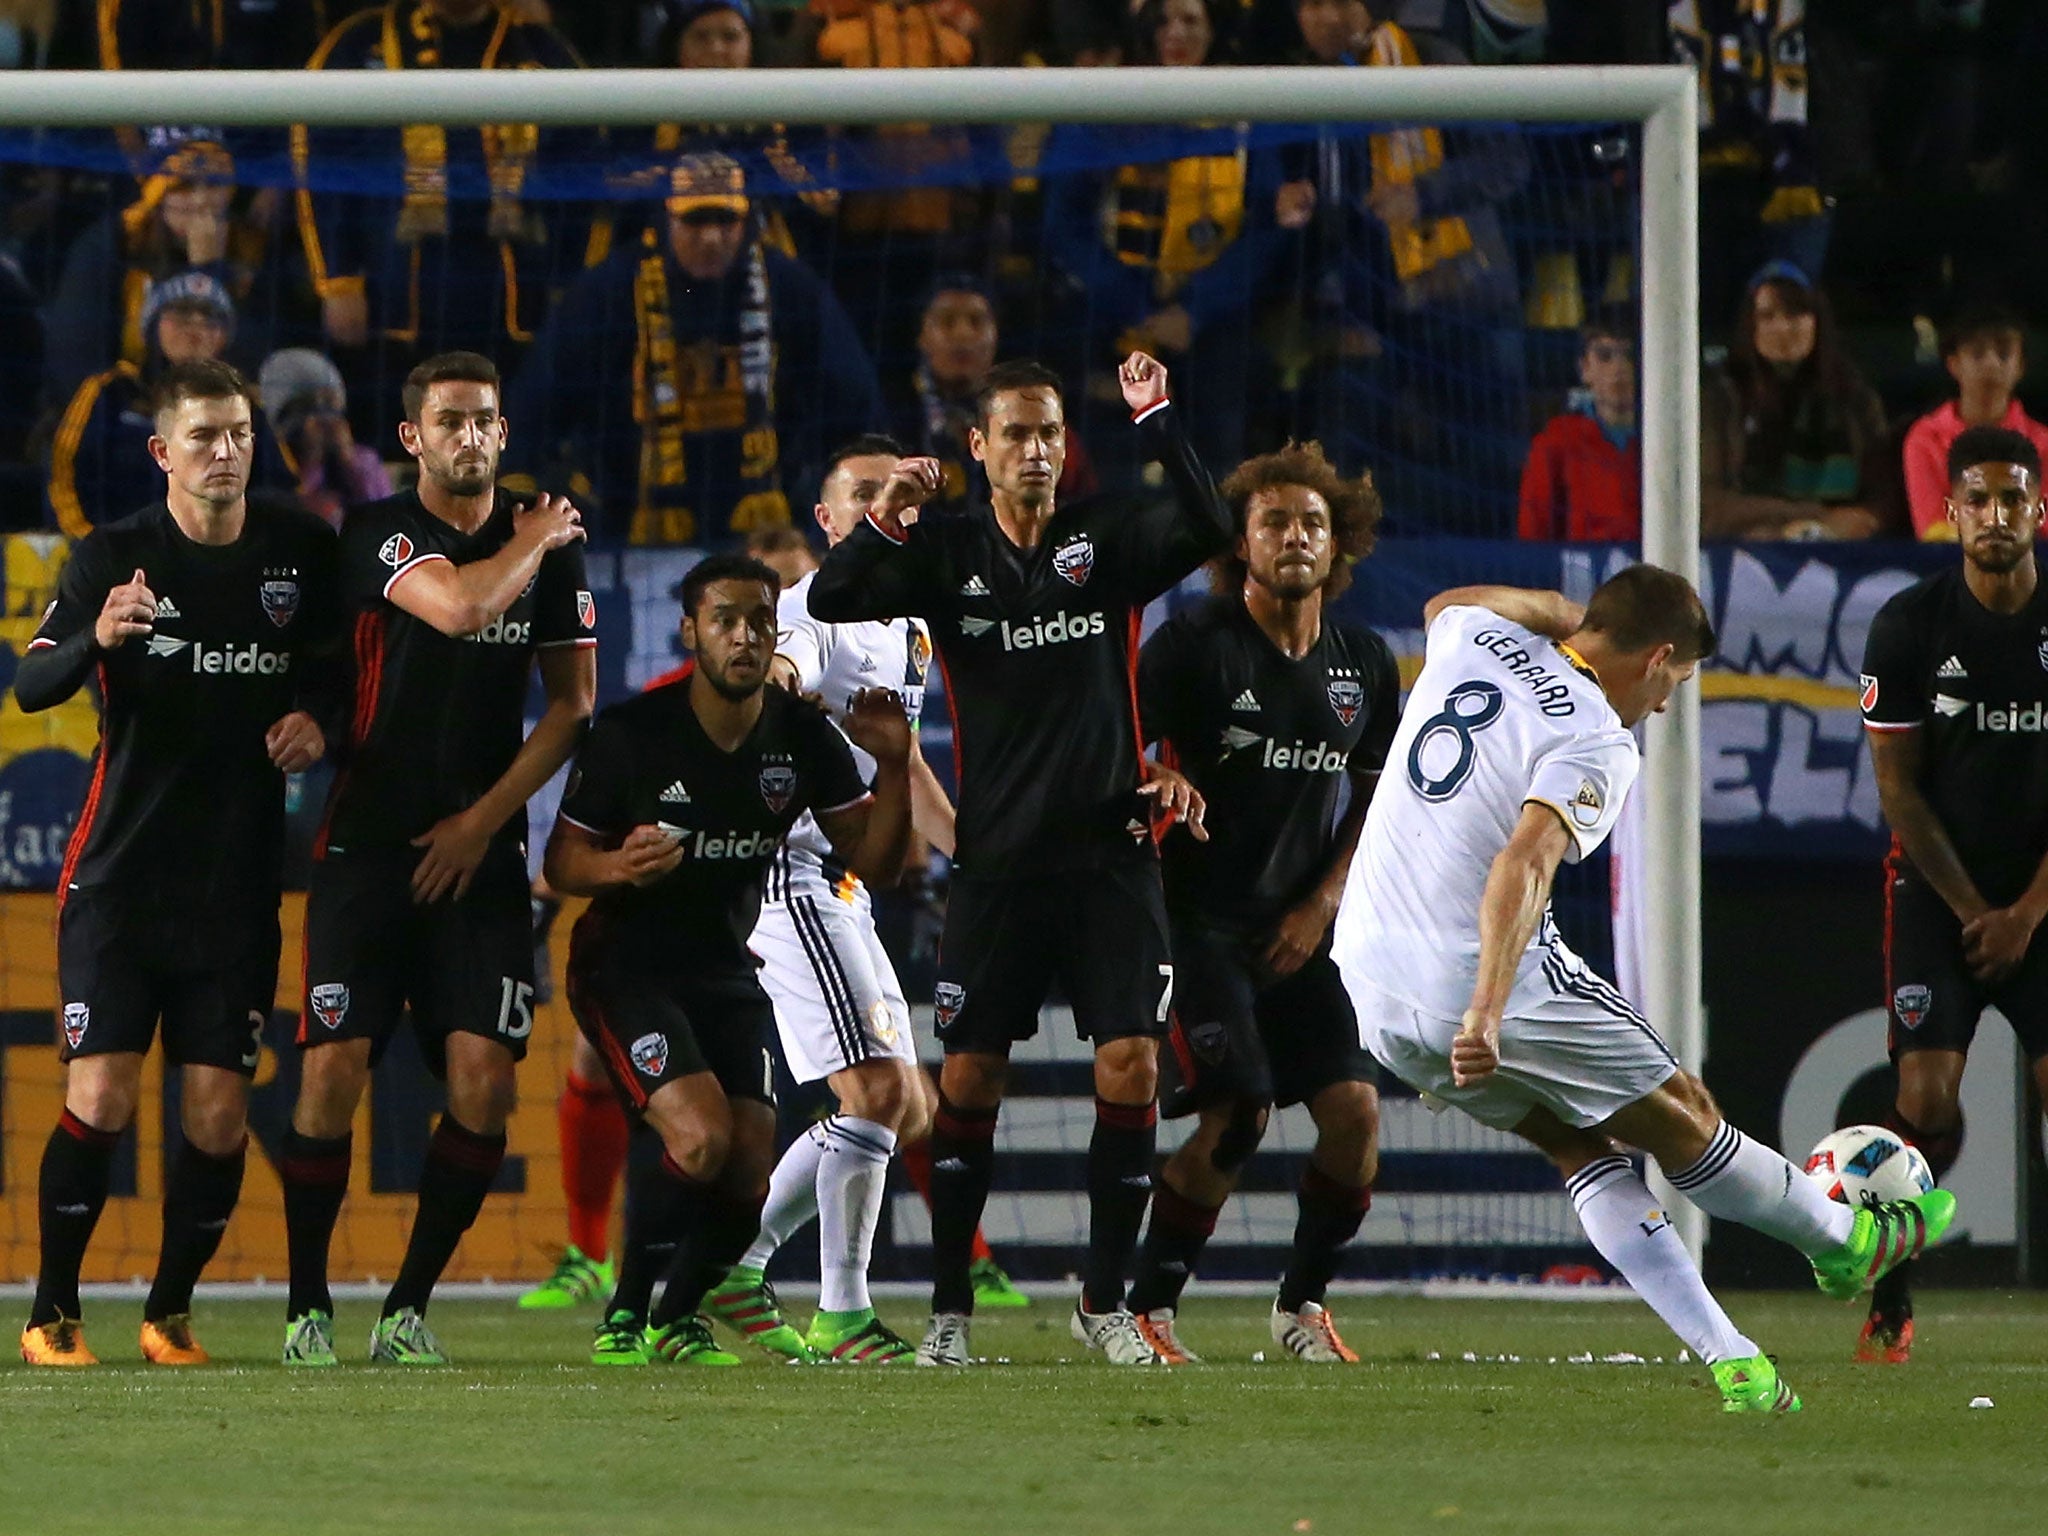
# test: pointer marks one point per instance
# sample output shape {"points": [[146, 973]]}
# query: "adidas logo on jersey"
{"points": [[1055, 630], [235, 660], [1949, 671], [974, 586], [675, 794], [866, 667], [166, 609], [1245, 703]]}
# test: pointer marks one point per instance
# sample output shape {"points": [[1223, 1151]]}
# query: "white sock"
{"points": [[851, 1178], [792, 1197], [1741, 1180], [1634, 1234]]}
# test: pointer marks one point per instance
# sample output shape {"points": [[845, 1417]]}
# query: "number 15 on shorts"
{"points": [[515, 1008]]}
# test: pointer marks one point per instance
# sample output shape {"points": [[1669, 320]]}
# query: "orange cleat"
{"points": [[61, 1343], [170, 1342], [1885, 1342]]}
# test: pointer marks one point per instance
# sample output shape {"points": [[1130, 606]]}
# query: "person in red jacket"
{"points": [[1583, 478]]}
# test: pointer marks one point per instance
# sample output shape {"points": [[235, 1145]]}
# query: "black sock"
{"points": [[661, 1211], [726, 1224], [1891, 1299], [458, 1173], [1329, 1217], [1119, 1185], [963, 1148], [199, 1198], [314, 1172], [1180, 1230], [77, 1166]]}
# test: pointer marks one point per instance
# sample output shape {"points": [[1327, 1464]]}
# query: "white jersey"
{"points": [[1499, 717], [836, 661]]}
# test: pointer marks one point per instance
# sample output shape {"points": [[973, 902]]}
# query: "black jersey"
{"points": [[1975, 684], [185, 806], [1266, 739], [1039, 649], [647, 762], [438, 720]]}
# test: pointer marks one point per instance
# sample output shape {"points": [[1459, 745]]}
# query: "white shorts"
{"points": [[1580, 1051], [837, 1000]]}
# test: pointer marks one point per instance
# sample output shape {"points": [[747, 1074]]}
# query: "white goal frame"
{"points": [[1662, 98]]}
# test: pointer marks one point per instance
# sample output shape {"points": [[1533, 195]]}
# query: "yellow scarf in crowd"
{"points": [[1406, 155], [1177, 218]]}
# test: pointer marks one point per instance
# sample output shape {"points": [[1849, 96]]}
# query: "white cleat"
{"points": [[1311, 1335], [945, 1340], [1116, 1334]]}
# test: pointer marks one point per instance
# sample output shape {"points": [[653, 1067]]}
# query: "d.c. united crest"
{"points": [[650, 1054], [280, 601], [1075, 559], [778, 785], [1347, 697]]}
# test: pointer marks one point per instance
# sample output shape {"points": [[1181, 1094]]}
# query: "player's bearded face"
{"points": [[1024, 446], [1997, 512], [206, 446], [458, 437], [732, 634], [1286, 545]]}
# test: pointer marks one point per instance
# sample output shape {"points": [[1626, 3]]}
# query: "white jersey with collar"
{"points": [[837, 661], [1500, 716]]}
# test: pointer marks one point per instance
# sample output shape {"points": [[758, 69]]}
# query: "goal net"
{"points": [[1406, 276]]}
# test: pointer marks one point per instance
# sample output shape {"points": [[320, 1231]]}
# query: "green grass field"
{"points": [[520, 1436]]}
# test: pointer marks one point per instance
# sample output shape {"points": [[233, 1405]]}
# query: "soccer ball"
{"points": [[1863, 1164]]}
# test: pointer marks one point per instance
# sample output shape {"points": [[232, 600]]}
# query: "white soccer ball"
{"points": [[1863, 1164]]}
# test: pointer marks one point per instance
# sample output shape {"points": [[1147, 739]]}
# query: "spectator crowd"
{"points": [[705, 312]]}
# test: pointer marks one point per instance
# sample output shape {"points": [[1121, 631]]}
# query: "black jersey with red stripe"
{"points": [[185, 806], [1039, 649], [438, 720]]}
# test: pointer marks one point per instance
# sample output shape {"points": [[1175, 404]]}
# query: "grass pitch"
{"points": [[520, 1436]]}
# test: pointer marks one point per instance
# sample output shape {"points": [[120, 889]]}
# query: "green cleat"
{"points": [[1753, 1386], [309, 1340], [868, 1341], [405, 1339], [1885, 1236], [688, 1341], [621, 1340], [746, 1303], [993, 1288], [577, 1278]]}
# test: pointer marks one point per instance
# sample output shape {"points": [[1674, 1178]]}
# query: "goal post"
{"points": [[1661, 100]]}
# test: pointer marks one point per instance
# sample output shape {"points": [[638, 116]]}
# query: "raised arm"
{"points": [[1202, 523], [1546, 613], [461, 600], [93, 615], [882, 570]]}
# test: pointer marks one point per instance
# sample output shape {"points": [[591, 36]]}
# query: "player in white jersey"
{"points": [[1515, 753], [839, 1010]]}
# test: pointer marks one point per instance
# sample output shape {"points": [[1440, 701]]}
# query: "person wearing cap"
{"points": [[692, 376], [430, 270], [182, 219], [1788, 428], [306, 404], [956, 345], [100, 467]]}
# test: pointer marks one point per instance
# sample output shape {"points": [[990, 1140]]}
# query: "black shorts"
{"points": [[1239, 1033], [1100, 933], [120, 970], [651, 1028], [1932, 1001], [462, 967]]}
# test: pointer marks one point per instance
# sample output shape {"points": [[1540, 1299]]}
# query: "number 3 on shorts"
{"points": [[1165, 1009], [515, 1008]]}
